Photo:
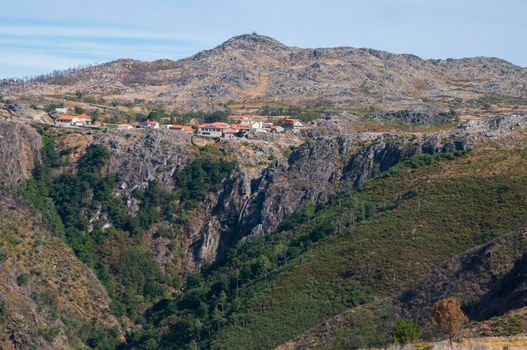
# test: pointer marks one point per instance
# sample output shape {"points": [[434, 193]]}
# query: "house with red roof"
{"points": [[246, 120], [292, 123], [74, 120], [149, 124], [212, 129], [182, 128], [241, 127], [277, 129], [230, 133]]}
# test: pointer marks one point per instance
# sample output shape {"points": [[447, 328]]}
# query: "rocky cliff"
{"points": [[19, 153]]}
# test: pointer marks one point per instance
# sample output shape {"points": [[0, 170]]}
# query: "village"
{"points": [[238, 126]]}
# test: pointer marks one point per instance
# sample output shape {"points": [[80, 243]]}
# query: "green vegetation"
{"points": [[76, 206], [202, 176], [420, 160], [49, 333], [354, 253], [203, 117], [357, 250], [405, 332]]}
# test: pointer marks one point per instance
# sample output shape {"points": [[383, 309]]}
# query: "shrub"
{"points": [[405, 332], [447, 316]]}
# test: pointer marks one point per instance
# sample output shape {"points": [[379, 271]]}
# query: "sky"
{"points": [[39, 36]]}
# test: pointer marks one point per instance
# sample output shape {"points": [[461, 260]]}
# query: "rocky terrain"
{"points": [[258, 68], [319, 238]]}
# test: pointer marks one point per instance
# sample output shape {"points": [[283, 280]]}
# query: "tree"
{"points": [[447, 317], [264, 266], [79, 110], [222, 300], [198, 326], [405, 331], [217, 318]]}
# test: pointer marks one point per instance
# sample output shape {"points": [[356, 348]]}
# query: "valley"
{"points": [[396, 186]]}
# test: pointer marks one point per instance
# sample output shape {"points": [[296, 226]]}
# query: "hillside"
{"points": [[405, 187], [258, 68], [321, 239]]}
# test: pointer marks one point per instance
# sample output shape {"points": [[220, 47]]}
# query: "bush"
{"points": [[405, 332], [49, 333]]}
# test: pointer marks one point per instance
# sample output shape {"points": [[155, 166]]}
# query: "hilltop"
{"points": [[253, 67]]}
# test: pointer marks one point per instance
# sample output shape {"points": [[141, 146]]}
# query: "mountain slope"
{"points": [[353, 254], [254, 67]]}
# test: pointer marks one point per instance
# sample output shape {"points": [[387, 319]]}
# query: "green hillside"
{"points": [[359, 249]]}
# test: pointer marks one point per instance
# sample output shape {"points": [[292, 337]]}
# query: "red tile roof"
{"points": [[217, 125], [241, 126], [182, 127], [66, 117]]}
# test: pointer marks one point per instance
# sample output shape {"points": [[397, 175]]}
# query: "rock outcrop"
{"points": [[19, 153]]}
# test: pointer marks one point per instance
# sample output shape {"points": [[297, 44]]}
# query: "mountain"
{"points": [[330, 236], [258, 68]]}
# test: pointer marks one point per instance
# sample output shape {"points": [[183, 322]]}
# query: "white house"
{"points": [[61, 110], [249, 121], [124, 127], [74, 120], [292, 123], [277, 129], [149, 124], [212, 129]]}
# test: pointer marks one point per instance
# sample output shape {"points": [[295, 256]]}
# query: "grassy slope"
{"points": [[46, 294], [439, 211]]}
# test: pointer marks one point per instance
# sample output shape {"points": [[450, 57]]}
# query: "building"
{"points": [[61, 110], [248, 121], [182, 128], [242, 120], [74, 120], [212, 129], [230, 133], [124, 127], [242, 127], [292, 123], [149, 124], [277, 129]]}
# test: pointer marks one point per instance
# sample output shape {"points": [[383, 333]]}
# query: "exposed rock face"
{"points": [[139, 157], [23, 113], [19, 153], [254, 67], [325, 166]]}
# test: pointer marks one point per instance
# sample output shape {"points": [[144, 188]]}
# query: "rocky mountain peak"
{"points": [[245, 40]]}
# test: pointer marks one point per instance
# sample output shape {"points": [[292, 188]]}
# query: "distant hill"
{"points": [[259, 68]]}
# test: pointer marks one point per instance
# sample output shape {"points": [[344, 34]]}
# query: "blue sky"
{"points": [[38, 36]]}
